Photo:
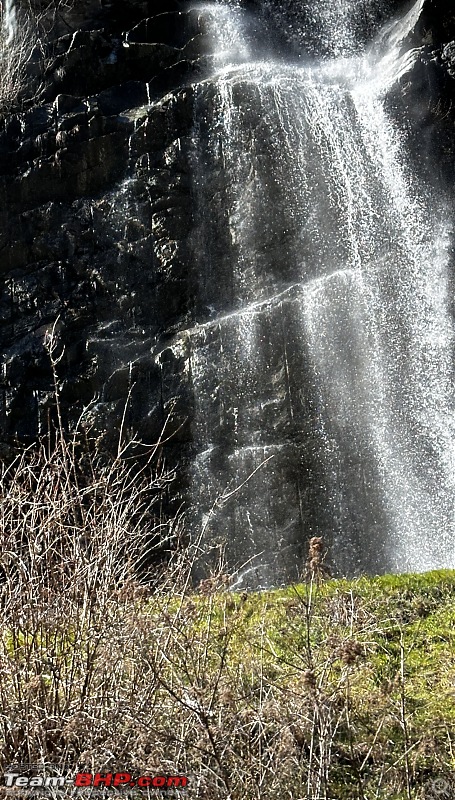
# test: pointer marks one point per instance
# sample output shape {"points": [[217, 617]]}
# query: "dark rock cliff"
{"points": [[95, 206], [97, 219]]}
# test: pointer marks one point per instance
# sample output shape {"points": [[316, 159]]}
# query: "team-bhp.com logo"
{"points": [[83, 780]]}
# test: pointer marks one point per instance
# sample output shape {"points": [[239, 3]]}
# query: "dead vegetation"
{"points": [[18, 40], [27, 29], [109, 662]]}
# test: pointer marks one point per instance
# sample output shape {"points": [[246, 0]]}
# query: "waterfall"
{"points": [[321, 360]]}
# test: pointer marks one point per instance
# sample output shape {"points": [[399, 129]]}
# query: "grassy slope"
{"points": [[342, 690], [352, 683]]}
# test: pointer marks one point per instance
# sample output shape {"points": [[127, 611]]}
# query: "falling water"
{"points": [[323, 394]]}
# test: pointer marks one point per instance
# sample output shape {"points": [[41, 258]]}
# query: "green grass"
{"points": [[334, 691], [376, 655]]}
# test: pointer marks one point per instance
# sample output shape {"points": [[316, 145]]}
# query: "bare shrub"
{"points": [[250, 696], [18, 40], [302, 693], [79, 534]]}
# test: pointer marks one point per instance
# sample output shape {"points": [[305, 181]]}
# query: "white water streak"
{"points": [[373, 284]]}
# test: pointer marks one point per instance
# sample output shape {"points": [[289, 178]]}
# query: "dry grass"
{"points": [[304, 693], [76, 530], [327, 691]]}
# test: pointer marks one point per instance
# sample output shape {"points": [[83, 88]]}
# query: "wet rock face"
{"points": [[426, 95], [95, 210], [99, 230]]}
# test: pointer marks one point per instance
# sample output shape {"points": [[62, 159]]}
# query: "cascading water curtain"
{"points": [[322, 369]]}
